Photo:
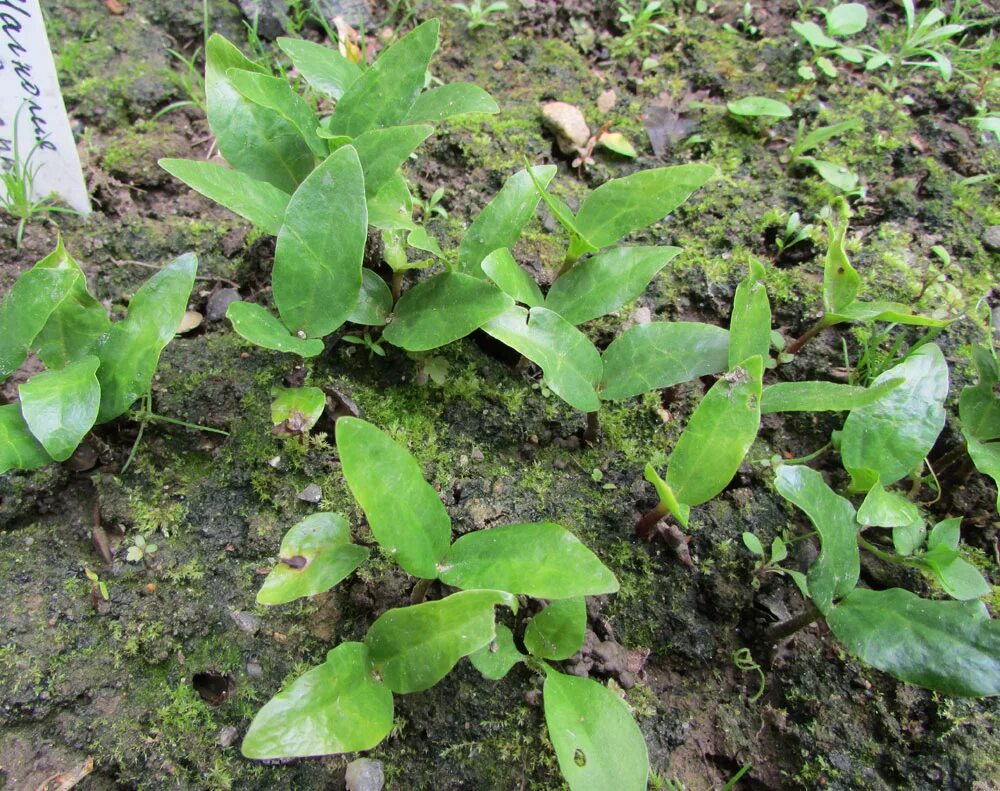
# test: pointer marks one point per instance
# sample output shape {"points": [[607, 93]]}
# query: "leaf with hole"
{"points": [[495, 659]]}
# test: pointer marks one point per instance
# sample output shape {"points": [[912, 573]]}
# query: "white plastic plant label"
{"points": [[29, 93]]}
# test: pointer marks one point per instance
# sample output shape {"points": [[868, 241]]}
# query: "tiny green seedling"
{"points": [[479, 15], [795, 232], [839, 176], [96, 370], [842, 284], [98, 587], [141, 550], [346, 703], [17, 179], [842, 20], [642, 21]]}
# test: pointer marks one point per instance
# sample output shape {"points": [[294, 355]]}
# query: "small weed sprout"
{"points": [[478, 15], [140, 550], [640, 22]]}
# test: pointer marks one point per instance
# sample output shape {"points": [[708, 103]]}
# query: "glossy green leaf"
{"points": [[758, 106], [894, 312], [383, 151], [718, 435], [392, 208], [442, 309], [846, 19], [822, 396], [324, 68], [448, 101], [261, 203], [753, 544], [948, 646], [814, 34], [662, 354], [540, 559], [947, 532], [503, 270], [28, 305], [415, 647], [908, 538], [564, 216], [19, 450], [321, 247], [621, 206], [883, 508], [77, 322], [299, 407], [557, 632], [979, 404], [500, 222], [667, 497], [258, 326], [598, 744], [841, 282], [419, 239], [495, 659], [568, 359], [60, 406], [404, 512], [835, 571], [605, 282], [315, 555], [959, 578], [893, 435], [986, 457], [275, 94], [618, 143], [374, 303], [131, 351], [840, 176], [255, 140], [820, 135], [383, 95], [750, 323], [338, 707]]}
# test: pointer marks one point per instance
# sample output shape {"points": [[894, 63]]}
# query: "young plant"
{"points": [[479, 15], [842, 20], [794, 233], [310, 181], [346, 703], [17, 185], [640, 22], [924, 39], [832, 173], [96, 370], [140, 550], [842, 283]]}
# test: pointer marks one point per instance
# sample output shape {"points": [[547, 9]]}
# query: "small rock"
{"points": [[219, 302], [254, 670], [477, 455], [191, 320], [311, 494], [248, 622], [355, 12], [607, 100], [228, 736], [84, 458], [991, 239], [268, 17], [364, 775], [567, 123]]}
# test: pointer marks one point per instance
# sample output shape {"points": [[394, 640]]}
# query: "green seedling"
{"points": [[837, 175], [744, 662], [98, 587], [479, 15], [794, 233], [642, 21], [310, 181], [842, 20], [346, 703], [842, 284], [431, 206], [921, 45], [979, 413], [745, 25], [770, 562], [96, 370], [17, 185], [140, 550]]}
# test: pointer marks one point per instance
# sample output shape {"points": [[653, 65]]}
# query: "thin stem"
{"points": [[808, 458], [780, 631], [593, 431], [143, 418], [419, 592], [880, 554], [152, 416], [397, 286], [811, 333], [644, 527]]}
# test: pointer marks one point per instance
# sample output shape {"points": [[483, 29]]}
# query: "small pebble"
{"points": [[219, 302], [248, 622], [311, 494], [364, 775], [228, 736], [991, 239], [254, 670]]}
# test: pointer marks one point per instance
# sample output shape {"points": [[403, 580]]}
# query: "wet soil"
{"points": [[158, 683]]}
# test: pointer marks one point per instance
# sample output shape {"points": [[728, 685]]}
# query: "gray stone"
{"points": [[228, 736], [219, 302], [356, 13], [271, 17], [254, 670], [364, 775], [311, 494], [991, 239], [247, 621]]}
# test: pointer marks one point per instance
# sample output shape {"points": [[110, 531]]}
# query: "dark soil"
{"points": [[158, 684]]}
